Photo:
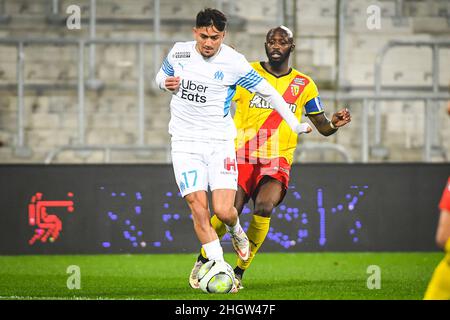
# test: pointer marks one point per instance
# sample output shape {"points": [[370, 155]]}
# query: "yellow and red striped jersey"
{"points": [[262, 133]]}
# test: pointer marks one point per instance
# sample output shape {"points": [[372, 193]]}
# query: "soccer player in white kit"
{"points": [[202, 76]]}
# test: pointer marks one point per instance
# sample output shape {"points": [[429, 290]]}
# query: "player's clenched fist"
{"points": [[172, 83]]}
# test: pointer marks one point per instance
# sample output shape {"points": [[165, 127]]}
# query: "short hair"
{"points": [[211, 17], [282, 29]]}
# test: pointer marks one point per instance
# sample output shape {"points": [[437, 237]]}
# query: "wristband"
{"points": [[332, 125], [302, 128]]}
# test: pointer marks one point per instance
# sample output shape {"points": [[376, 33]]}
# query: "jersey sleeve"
{"points": [[444, 204], [165, 71], [246, 76], [313, 104], [166, 66]]}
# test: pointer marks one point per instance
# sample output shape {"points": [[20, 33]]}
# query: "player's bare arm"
{"points": [[327, 127]]}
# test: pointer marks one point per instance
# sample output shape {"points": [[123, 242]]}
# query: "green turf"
{"points": [[279, 276]]}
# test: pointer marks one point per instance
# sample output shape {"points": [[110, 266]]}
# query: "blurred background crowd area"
{"points": [[87, 95]]}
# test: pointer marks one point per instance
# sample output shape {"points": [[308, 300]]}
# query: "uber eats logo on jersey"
{"points": [[259, 102], [192, 91]]}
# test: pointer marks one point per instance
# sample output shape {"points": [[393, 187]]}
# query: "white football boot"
{"points": [[241, 244], [193, 279]]}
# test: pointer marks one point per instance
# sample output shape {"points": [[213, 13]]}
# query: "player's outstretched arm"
{"points": [[327, 127], [273, 97]]}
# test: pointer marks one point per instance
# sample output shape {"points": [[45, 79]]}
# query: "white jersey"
{"points": [[200, 110]]}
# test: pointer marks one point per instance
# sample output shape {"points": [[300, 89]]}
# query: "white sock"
{"points": [[235, 228], [213, 250]]}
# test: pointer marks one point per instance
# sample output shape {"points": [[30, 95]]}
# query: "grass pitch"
{"points": [[278, 276]]}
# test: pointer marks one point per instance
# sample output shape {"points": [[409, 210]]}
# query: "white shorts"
{"points": [[198, 165]]}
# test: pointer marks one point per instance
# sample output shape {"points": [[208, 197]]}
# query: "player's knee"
{"points": [[202, 225], [263, 208], [201, 220], [226, 214], [441, 239], [195, 203]]}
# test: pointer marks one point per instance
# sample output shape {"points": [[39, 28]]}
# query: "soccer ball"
{"points": [[216, 277]]}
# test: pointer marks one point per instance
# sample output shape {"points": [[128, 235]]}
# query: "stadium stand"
{"points": [[51, 115]]}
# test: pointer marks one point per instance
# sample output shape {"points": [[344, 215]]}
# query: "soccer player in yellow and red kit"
{"points": [[265, 144], [439, 286]]}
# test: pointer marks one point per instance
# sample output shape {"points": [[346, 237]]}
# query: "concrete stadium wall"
{"points": [[111, 114], [137, 209]]}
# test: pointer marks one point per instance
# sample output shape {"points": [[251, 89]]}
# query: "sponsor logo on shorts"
{"points": [[229, 164], [230, 167], [233, 173]]}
